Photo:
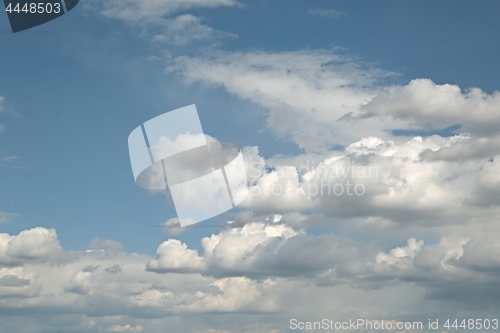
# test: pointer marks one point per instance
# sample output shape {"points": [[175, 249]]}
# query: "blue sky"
{"points": [[277, 75], [81, 83]]}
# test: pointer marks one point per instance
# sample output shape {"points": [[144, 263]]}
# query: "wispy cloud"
{"points": [[152, 10], [185, 29], [159, 19], [329, 13], [7, 217], [7, 161], [293, 84]]}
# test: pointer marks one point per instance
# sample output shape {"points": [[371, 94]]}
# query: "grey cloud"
{"points": [[90, 268], [13, 281], [114, 269]]}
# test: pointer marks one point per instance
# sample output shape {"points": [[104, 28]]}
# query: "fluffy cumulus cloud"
{"points": [[443, 188], [263, 250], [380, 183], [440, 106], [110, 290], [174, 256], [30, 245], [320, 99], [264, 268]]}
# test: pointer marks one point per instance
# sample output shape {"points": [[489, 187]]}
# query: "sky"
{"points": [[369, 133]]}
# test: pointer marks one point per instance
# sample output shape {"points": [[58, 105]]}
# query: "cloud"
{"points": [[125, 328], [263, 251], [98, 244], [16, 283], [7, 217], [328, 13], [395, 255], [440, 106], [153, 10], [173, 227], [174, 256], [30, 245], [155, 19], [322, 98], [379, 183], [465, 148], [113, 269], [255, 269], [8, 161], [308, 94], [185, 29]]}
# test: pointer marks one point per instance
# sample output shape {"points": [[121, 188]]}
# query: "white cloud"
{"points": [[152, 10], [132, 299], [234, 294], [308, 94], [395, 255], [155, 18], [320, 98], [185, 29], [18, 283], [440, 106], [7, 217], [174, 256], [328, 13], [125, 328], [173, 227], [380, 183], [108, 245]]}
